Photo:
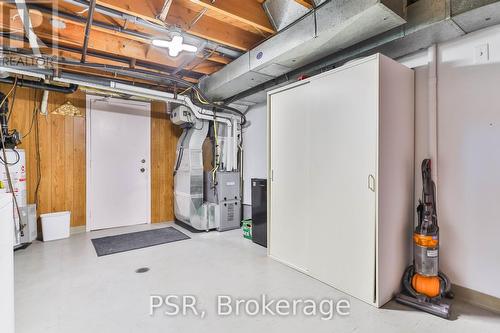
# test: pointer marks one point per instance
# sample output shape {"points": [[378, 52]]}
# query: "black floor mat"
{"points": [[136, 240]]}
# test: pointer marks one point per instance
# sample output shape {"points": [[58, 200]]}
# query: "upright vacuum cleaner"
{"points": [[424, 286]]}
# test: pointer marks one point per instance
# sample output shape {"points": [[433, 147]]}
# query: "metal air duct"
{"points": [[429, 22], [330, 27]]}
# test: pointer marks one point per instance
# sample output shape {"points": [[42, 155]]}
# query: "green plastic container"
{"points": [[247, 228]]}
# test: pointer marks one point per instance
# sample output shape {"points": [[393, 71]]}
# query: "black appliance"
{"points": [[259, 211]]}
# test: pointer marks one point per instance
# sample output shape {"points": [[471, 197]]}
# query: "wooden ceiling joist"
{"points": [[165, 9], [212, 29], [148, 10], [306, 3], [119, 41], [248, 12], [214, 57], [113, 44], [181, 15], [71, 53]]}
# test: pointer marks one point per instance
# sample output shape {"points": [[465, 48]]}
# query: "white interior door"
{"points": [[343, 153], [118, 161]]}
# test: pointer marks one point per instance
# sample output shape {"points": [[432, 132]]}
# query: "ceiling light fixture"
{"points": [[175, 46]]}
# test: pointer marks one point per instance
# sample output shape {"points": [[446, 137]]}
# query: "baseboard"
{"points": [[78, 230], [477, 298]]}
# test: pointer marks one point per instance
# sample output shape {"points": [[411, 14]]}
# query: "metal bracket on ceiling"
{"points": [[164, 10], [198, 17], [88, 28], [130, 18]]}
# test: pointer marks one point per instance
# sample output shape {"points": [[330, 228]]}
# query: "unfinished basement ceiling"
{"points": [[244, 47], [427, 22], [122, 31], [331, 27]]}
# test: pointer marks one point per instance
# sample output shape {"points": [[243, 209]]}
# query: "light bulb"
{"points": [[175, 46], [161, 43], [178, 40], [174, 50], [189, 48]]}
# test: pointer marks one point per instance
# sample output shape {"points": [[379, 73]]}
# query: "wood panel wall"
{"points": [[62, 155], [62, 152], [164, 137]]}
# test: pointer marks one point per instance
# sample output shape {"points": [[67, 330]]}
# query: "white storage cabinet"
{"points": [[341, 163]]}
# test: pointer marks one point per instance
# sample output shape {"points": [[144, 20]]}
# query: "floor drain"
{"points": [[142, 270]]}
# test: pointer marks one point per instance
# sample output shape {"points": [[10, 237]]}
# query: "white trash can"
{"points": [[55, 225]]}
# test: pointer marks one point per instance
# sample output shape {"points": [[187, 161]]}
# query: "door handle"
{"points": [[143, 161], [371, 182], [143, 170]]}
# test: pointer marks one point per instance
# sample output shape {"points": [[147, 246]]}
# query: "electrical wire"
{"points": [[6, 162], [186, 90], [33, 116], [10, 92], [202, 101], [34, 125], [13, 99], [38, 159]]}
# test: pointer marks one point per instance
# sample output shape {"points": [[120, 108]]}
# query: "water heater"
{"points": [[16, 159]]}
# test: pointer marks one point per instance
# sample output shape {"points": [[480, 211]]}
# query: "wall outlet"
{"points": [[482, 54]]}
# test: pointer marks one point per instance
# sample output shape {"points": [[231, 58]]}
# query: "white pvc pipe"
{"points": [[153, 95], [228, 120], [229, 151], [45, 102], [168, 97], [207, 115], [432, 134], [235, 145], [21, 72]]}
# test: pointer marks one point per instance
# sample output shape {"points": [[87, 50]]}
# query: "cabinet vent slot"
{"points": [[230, 212]]}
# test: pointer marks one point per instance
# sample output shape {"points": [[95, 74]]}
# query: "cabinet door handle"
{"points": [[371, 182]]}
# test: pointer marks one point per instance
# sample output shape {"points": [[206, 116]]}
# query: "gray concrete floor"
{"points": [[62, 286]]}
